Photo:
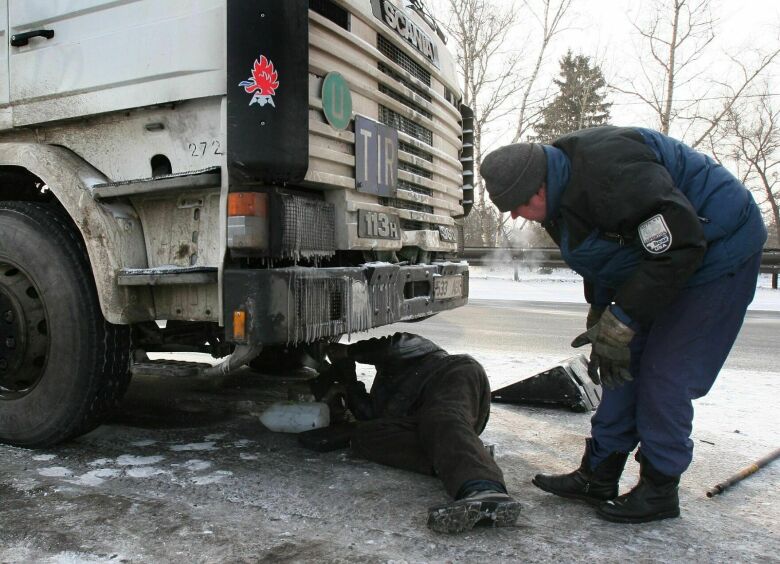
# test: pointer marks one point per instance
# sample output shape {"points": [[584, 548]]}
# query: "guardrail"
{"points": [[550, 257]]}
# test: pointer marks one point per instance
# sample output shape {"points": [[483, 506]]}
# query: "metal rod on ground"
{"points": [[744, 473]]}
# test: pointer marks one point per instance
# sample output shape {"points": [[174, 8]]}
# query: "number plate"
{"points": [[448, 234], [446, 287], [378, 225]]}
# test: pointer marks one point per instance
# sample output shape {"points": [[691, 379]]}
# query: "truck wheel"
{"points": [[62, 366]]}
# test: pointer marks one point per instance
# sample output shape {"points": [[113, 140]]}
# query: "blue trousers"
{"points": [[673, 362]]}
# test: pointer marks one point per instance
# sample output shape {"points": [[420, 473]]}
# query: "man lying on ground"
{"points": [[424, 413]]}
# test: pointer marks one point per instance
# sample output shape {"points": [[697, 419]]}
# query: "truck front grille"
{"points": [[410, 85], [400, 90], [449, 95], [412, 225], [412, 150], [403, 60], [415, 170], [416, 188], [402, 123], [406, 205], [405, 101]]}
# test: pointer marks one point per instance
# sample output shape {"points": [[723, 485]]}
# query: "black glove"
{"points": [[610, 356], [343, 371], [594, 314], [359, 401]]}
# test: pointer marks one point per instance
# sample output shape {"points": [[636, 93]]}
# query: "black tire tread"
{"points": [[110, 374]]}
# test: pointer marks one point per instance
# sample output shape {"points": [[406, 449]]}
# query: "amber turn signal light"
{"points": [[239, 325], [247, 204]]}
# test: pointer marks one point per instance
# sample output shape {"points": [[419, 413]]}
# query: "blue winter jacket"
{"points": [[641, 215]]}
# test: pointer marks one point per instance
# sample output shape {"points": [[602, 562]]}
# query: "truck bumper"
{"points": [[300, 305]]}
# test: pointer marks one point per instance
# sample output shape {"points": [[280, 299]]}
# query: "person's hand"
{"points": [[342, 366], [610, 356], [594, 314]]}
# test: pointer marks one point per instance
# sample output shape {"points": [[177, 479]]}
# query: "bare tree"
{"points": [[732, 94], [490, 63], [480, 30], [755, 146], [550, 14], [676, 34]]}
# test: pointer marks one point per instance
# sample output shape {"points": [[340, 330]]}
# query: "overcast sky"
{"points": [[602, 30]]}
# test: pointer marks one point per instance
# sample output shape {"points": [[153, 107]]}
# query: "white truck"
{"points": [[236, 177]]}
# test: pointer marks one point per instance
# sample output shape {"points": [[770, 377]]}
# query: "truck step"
{"points": [[167, 275], [199, 179], [169, 368]]}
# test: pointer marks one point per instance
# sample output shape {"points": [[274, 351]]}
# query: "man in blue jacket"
{"points": [[669, 245]]}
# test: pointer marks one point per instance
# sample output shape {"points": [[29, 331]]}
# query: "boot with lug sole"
{"points": [[652, 499], [483, 508], [591, 486]]}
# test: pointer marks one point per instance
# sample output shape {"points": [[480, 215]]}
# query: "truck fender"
{"points": [[111, 231]]}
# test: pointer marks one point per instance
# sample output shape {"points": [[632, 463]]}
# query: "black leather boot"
{"points": [[591, 486], [653, 498]]}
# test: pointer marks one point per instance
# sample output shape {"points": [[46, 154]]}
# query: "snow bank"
{"points": [[565, 286]]}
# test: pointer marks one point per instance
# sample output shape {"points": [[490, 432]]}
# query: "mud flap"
{"points": [[567, 384]]}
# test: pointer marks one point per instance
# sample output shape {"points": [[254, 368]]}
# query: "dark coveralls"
{"points": [[673, 240], [424, 413]]}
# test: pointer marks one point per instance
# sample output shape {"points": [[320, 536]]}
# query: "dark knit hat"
{"points": [[514, 173]]}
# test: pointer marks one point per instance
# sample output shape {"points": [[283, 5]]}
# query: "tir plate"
{"points": [[446, 287]]}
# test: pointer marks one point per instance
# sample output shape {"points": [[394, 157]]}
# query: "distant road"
{"points": [[546, 328]]}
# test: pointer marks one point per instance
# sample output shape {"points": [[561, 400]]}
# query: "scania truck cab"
{"points": [[236, 177]]}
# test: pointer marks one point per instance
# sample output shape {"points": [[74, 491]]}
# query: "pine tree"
{"points": [[579, 103]]}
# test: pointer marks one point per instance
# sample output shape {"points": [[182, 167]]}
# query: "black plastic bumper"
{"points": [[293, 305]]}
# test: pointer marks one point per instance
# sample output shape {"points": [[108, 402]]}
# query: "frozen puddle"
{"points": [[129, 460], [144, 471], [55, 472], [101, 462], [196, 465], [96, 477], [208, 445]]}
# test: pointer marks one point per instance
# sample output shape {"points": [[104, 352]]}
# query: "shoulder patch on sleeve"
{"points": [[655, 235]]}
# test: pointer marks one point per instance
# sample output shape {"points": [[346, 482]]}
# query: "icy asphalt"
{"points": [[185, 473]]}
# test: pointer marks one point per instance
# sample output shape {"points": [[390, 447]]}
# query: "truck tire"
{"points": [[63, 367]]}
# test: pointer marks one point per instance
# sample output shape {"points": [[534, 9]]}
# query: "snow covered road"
{"points": [[188, 474]]}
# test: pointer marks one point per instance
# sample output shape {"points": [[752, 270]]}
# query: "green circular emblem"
{"points": [[336, 100]]}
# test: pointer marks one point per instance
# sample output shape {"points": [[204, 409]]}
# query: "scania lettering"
{"points": [[406, 28]]}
